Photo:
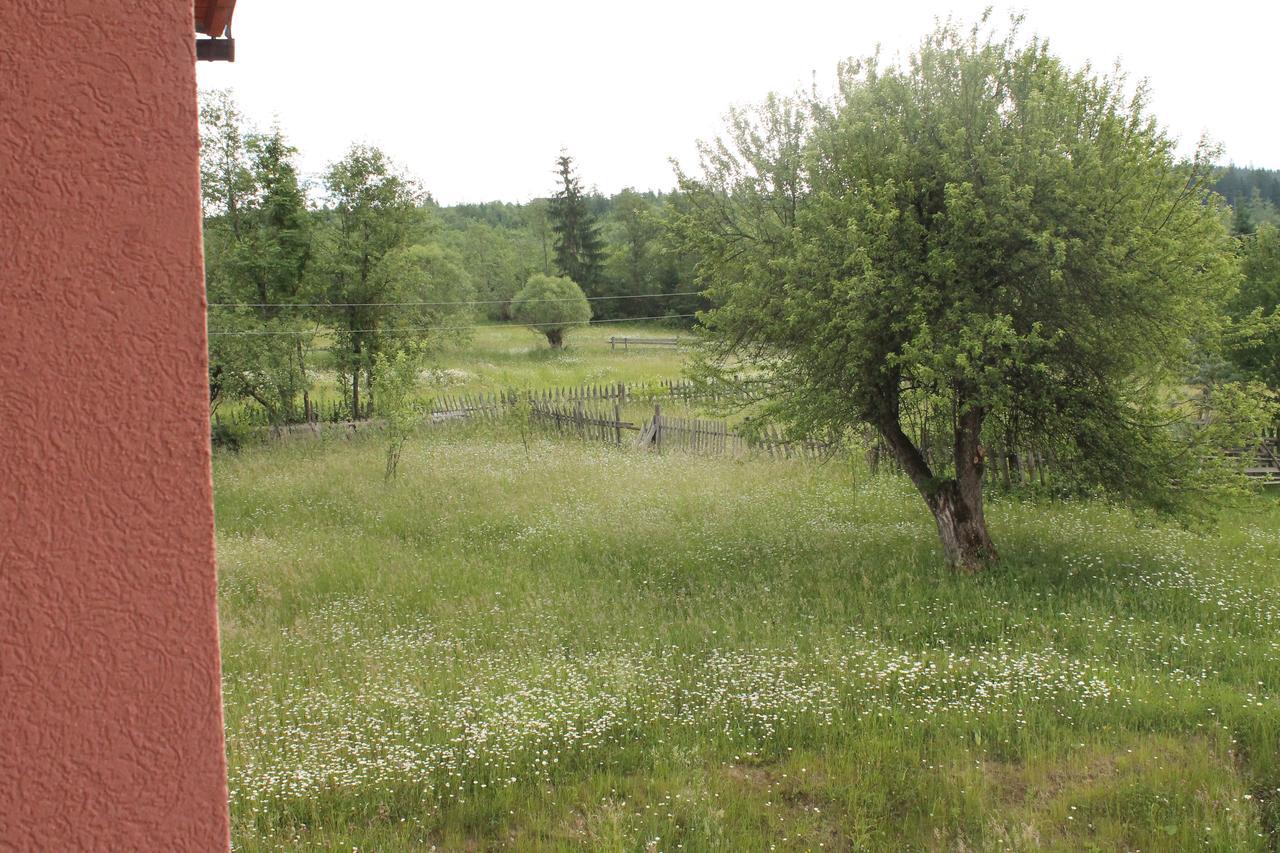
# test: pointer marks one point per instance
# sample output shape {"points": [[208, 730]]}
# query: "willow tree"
{"points": [[983, 229], [552, 306]]}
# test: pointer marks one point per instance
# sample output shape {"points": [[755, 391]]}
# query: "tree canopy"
{"points": [[1253, 193], [982, 239]]}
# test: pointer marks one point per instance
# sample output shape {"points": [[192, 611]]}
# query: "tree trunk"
{"points": [[355, 381], [962, 527], [956, 503], [555, 337]]}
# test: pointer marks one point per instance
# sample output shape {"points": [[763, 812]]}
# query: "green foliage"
{"points": [[552, 306], [397, 378], [263, 360], [497, 263], [1255, 341], [632, 262], [501, 245], [984, 232], [233, 435]]}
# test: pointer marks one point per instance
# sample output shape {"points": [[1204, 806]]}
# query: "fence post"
{"points": [[657, 427]]}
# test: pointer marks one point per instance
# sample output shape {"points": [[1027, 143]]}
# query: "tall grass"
{"points": [[515, 357], [579, 647]]}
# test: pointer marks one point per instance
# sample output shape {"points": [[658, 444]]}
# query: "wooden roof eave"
{"points": [[213, 16]]}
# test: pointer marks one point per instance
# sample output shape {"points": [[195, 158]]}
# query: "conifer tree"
{"points": [[578, 248]]}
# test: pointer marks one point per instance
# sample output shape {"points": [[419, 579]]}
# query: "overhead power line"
{"points": [[438, 304], [395, 329]]}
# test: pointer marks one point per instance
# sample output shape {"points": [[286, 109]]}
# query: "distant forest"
{"points": [[501, 243], [629, 257], [1253, 193]]}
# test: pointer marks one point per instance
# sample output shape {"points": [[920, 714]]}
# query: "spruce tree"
{"points": [[578, 248]]}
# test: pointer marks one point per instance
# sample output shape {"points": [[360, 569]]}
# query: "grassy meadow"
{"points": [[570, 646], [515, 357]]}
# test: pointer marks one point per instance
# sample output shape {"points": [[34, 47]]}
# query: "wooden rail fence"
{"points": [[1262, 460], [627, 343]]}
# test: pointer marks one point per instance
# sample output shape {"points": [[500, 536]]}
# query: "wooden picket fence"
{"points": [[582, 420], [662, 433], [492, 405], [484, 406], [488, 405], [1017, 467]]}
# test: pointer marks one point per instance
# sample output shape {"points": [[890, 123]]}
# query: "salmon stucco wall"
{"points": [[110, 709]]}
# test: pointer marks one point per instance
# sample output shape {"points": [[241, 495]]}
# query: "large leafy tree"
{"points": [[983, 234], [578, 247], [258, 244], [386, 288]]}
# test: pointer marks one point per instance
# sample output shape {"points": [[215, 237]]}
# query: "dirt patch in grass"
{"points": [[800, 804], [1150, 793]]}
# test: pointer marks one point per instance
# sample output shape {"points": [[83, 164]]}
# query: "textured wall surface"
{"points": [[110, 711]]}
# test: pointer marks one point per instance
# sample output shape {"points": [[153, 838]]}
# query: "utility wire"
{"points": [[432, 304], [395, 329]]}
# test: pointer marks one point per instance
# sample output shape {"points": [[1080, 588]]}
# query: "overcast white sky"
{"points": [[476, 99]]}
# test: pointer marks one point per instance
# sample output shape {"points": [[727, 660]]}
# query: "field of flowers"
{"points": [[575, 647]]}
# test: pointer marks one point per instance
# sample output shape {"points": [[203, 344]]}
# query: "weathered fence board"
{"points": [[578, 420]]}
